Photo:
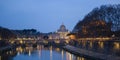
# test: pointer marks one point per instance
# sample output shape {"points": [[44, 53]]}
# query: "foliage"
{"points": [[109, 14], [6, 34]]}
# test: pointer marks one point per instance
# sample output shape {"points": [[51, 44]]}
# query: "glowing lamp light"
{"points": [[21, 41], [57, 41]]}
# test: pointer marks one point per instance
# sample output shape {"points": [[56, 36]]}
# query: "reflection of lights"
{"points": [[68, 56], [7, 52], [29, 53], [91, 44], [0, 58], [101, 44], [80, 58], [62, 53], [18, 53], [39, 48], [10, 52], [51, 53], [50, 47], [84, 43], [116, 45], [19, 49], [39, 53]]}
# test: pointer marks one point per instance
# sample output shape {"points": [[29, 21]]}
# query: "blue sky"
{"points": [[46, 15]]}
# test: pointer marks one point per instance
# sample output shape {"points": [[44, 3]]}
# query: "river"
{"points": [[40, 53]]}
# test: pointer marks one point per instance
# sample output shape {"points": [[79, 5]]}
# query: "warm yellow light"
{"points": [[19, 49], [101, 44], [24, 38], [21, 41], [91, 44], [12, 42], [72, 36], [45, 41], [30, 38], [57, 49], [50, 47], [82, 58], [62, 53], [0, 38], [57, 41], [67, 41], [116, 45], [0, 58]]}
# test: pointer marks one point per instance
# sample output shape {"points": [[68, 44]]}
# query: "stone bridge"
{"points": [[40, 41]]}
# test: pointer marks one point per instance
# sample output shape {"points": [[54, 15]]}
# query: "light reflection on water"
{"points": [[40, 53]]}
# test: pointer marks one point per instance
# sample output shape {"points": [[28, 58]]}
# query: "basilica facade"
{"points": [[61, 33]]}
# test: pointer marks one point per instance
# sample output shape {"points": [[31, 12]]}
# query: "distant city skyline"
{"points": [[46, 15]]}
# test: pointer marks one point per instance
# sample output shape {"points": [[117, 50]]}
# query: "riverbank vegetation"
{"points": [[102, 21]]}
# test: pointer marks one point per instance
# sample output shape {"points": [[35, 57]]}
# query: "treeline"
{"points": [[27, 33], [102, 21], [6, 34]]}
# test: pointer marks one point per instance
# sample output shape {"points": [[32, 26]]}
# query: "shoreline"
{"points": [[90, 54]]}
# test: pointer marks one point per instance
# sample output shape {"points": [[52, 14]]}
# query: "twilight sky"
{"points": [[46, 15]]}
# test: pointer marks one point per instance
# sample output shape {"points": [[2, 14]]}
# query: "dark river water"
{"points": [[51, 53], [40, 53]]}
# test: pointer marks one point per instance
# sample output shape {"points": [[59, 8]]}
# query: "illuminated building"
{"points": [[61, 33]]}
